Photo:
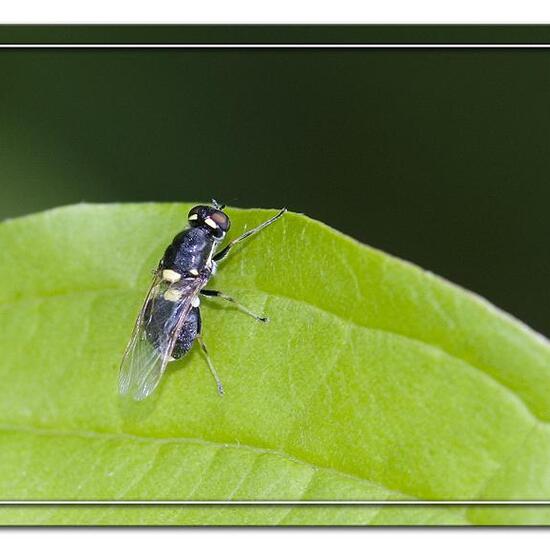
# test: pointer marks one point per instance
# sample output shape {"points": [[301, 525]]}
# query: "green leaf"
{"points": [[374, 380]]}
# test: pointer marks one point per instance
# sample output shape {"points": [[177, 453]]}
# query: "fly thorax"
{"points": [[190, 251]]}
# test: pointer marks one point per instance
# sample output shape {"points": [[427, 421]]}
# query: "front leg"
{"points": [[223, 253]]}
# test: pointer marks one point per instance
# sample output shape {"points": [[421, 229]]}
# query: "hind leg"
{"points": [[190, 332], [210, 365]]}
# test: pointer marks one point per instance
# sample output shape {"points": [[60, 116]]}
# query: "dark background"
{"points": [[441, 157]]}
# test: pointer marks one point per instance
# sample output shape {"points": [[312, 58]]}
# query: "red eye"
{"points": [[221, 220]]}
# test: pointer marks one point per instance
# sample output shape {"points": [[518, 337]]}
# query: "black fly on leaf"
{"points": [[170, 321]]}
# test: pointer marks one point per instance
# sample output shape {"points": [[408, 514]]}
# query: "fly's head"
{"points": [[211, 219]]}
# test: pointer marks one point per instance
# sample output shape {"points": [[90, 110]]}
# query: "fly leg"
{"points": [[223, 253], [240, 307], [210, 364]]}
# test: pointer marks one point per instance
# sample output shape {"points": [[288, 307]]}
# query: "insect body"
{"points": [[169, 321]]}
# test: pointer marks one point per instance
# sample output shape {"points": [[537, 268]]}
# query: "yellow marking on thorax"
{"points": [[170, 275]]}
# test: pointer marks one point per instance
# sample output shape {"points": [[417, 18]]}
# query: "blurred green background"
{"points": [[441, 157]]}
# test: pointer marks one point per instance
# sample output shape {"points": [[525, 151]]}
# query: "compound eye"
{"points": [[221, 220]]}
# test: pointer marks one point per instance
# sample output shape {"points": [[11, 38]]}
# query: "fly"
{"points": [[169, 321]]}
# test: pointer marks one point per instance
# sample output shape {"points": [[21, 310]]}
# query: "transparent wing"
{"points": [[154, 336]]}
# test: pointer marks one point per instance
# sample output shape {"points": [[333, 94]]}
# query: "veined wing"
{"points": [[157, 328]]}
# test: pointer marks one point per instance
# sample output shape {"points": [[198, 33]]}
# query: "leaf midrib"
{"points": [[125, 436]]}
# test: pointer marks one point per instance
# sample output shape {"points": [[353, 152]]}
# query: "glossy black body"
{"points": [[190, 255], [190, 249], [190, 330]]}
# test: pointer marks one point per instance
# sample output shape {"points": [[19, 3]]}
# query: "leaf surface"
{"points": [[374, 380]]}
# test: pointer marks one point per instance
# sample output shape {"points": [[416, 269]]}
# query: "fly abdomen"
{"points": [[159, 313], [189, 332]]}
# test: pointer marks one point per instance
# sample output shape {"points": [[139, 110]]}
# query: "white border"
{"points": [[276, 46], [276, 502], [279, 12]]}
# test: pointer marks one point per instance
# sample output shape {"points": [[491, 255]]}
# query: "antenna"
{"points": [[218, 205]]}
